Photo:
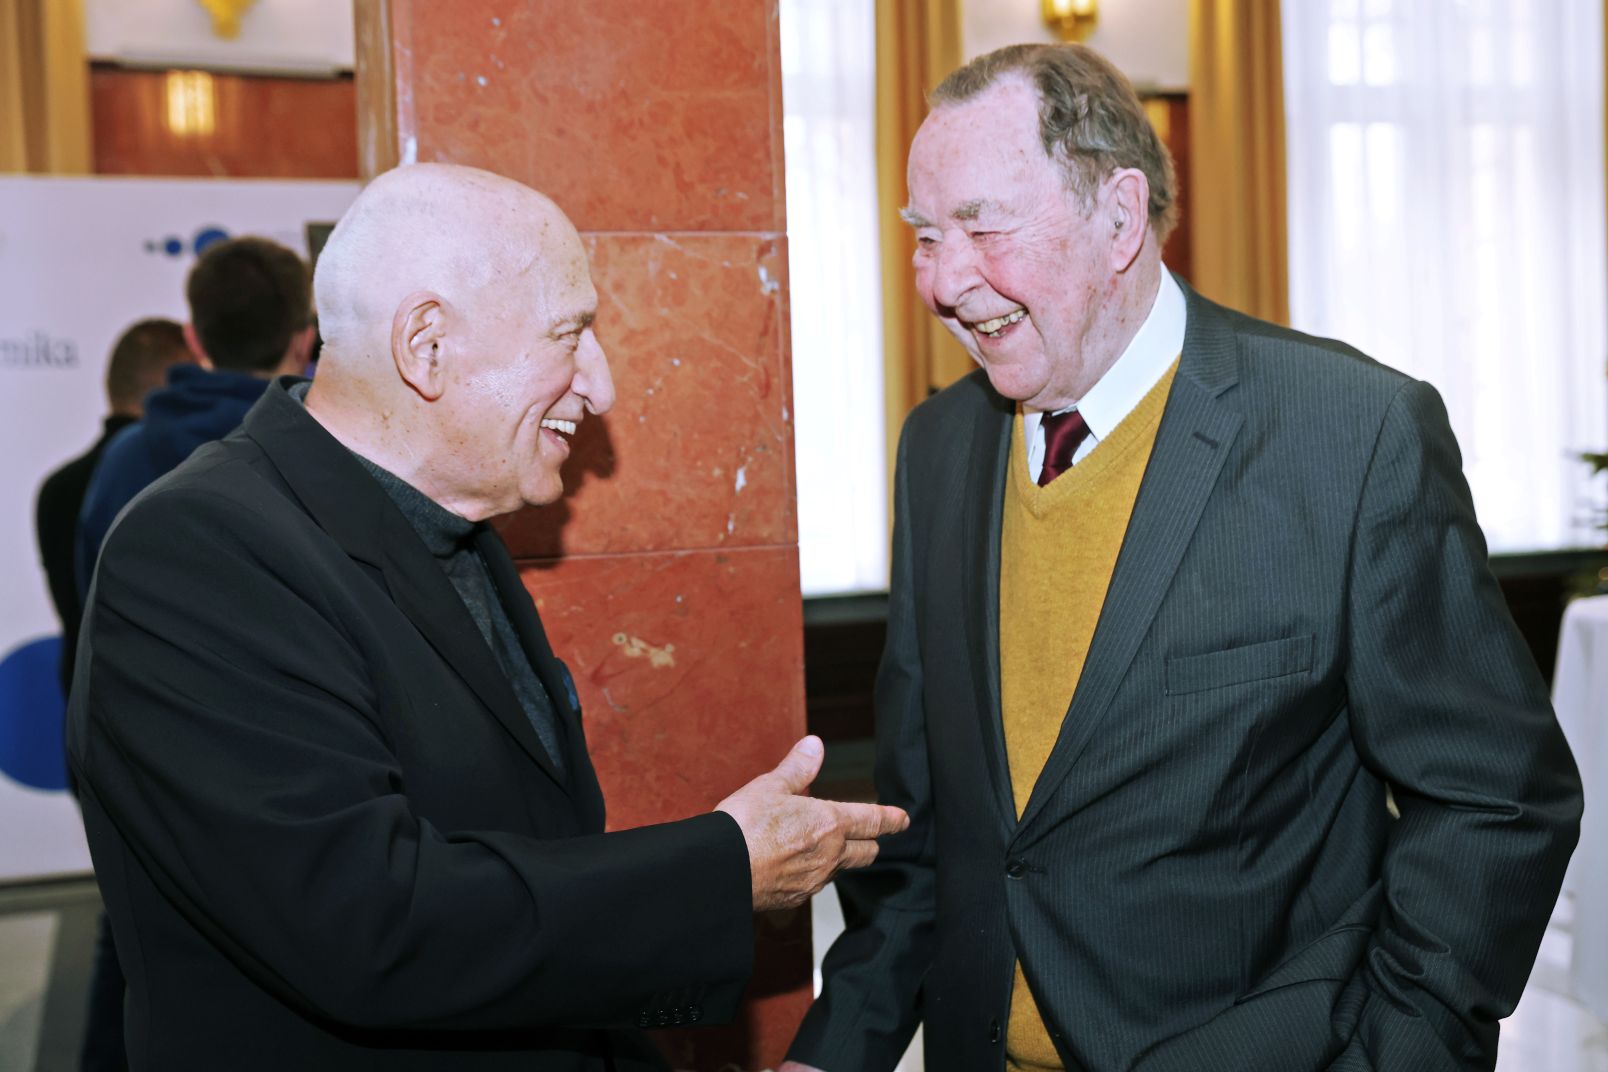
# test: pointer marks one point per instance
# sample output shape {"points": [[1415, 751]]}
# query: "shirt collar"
{"points": [[443, 532], [1149, 355]]}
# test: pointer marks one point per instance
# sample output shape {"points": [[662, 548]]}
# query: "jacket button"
{"points": [[1015, 869], [993, 1031]]}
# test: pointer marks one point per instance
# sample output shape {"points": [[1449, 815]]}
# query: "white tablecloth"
{"points": [[1580, 694]]}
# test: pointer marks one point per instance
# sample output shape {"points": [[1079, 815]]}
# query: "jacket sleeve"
{"points": [[870, 1001], [89, 532], [1448, 707], [230, 739]]}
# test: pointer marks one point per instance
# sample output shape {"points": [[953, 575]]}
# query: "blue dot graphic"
{"points": [[31, 710], [208, 236], [173, 247]]}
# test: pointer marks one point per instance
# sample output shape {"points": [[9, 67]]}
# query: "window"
{"points": [[1446, 216], [829, 106]]}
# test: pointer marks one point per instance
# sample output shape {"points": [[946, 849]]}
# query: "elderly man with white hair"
{"points": [[334, 779]]}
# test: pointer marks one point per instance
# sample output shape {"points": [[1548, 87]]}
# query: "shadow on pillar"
{"points": [[539, 533]]}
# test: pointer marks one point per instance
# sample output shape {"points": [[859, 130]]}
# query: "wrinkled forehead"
{"points": [[547, 277], [982, 150], [1009, 108]]}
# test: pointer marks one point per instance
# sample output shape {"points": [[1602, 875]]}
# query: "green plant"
{"points": [[1599, 465]]}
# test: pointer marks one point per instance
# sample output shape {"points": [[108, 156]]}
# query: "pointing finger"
{"points": [[861, 821]]}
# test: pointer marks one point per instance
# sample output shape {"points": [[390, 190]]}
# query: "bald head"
{"points": [[456, 232], [456, 308]]}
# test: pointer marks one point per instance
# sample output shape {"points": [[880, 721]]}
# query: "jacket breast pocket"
{"points": [[1238, 666], [569, 687]]}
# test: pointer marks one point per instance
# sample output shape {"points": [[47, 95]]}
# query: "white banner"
{"points": [[80, 260]]}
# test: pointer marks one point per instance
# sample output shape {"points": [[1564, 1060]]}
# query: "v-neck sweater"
{"points": [[1058, 550]]}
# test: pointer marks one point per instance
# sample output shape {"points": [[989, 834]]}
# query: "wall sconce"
{"points": [[190, 110], [1072, 20]]}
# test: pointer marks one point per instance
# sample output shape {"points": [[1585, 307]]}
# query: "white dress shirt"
{"points": [[1149, 355]]}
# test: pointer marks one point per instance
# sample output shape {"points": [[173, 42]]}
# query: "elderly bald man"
{"points": [[334, 779]]}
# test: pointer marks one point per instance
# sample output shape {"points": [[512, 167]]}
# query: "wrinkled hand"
{"points": [[796, 844], [794, 1066]]}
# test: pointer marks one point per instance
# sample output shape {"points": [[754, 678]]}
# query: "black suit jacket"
{"points": [[61, 496], [1206, 877], [325, 831]]}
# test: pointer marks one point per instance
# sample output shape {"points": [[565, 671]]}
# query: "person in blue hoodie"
{"points": [[137, 366], [250, 320]]}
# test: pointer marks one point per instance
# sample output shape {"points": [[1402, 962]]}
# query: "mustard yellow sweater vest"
{"points": [[1058, 548]]}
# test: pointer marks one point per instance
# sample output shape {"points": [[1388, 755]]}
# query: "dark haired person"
{"points": [[250, 320], [139, 360], [1180, 600]]}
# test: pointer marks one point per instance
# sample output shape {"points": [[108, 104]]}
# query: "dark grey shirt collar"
{"points": [[443, 532]]}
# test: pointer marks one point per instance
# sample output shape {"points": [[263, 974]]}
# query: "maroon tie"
{"points": [[1063, 433]]}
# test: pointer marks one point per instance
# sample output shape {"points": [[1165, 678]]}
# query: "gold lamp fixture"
{"points": [[1072, 20], [226, 16]]}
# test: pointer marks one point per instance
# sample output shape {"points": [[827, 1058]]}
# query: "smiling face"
{"points": [[1006, 256], [459, 348], [527, 370]]}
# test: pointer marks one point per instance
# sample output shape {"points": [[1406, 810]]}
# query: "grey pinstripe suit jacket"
{"points": [[1206, 876]]}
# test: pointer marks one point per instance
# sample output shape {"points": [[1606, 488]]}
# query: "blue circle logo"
{"points": [[207, 236], [174, 246], [32, 707]]}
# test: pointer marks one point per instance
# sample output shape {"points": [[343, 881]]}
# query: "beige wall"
{"points": [[296, 37], [1147, 39]]}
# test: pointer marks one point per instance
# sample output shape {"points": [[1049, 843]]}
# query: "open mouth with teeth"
{"points": [[561, 430], [1000, 324]]}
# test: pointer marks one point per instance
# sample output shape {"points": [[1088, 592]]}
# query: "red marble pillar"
{"points": [[668, 577]]}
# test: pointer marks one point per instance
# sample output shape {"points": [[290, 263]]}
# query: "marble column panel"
{"points": [[661, 116], [689, 667], [698, 451]]}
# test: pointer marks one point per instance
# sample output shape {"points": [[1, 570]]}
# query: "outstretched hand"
{"points": [[796, 843]]}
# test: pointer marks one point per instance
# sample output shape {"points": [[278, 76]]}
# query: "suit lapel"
{"points": [[424, 593], [355, 511], [1197, 430], [580, 778], [532, 636], [980, 535]]}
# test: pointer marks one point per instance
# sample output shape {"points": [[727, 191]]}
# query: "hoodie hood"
{"points": [[196, 406]]}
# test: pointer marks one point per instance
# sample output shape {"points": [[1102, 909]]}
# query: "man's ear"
{"points": [[193, 341], [1127, 204], [299, 352], [419, 342]]}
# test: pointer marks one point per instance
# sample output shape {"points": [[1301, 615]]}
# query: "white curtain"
{"points": [[1446, 216], [828, 95]]}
